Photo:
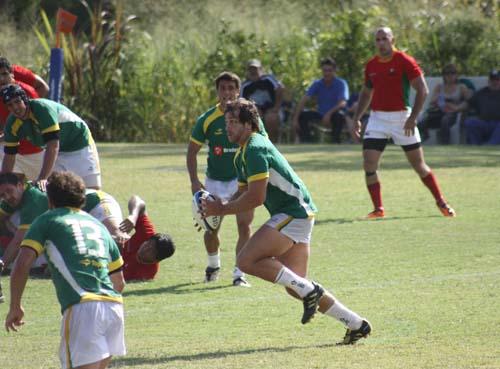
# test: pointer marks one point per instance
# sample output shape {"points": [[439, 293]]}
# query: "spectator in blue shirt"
{"points": [[331, 94]]}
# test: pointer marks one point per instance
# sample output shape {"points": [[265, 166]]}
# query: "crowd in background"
{"points": [[327, 107]]}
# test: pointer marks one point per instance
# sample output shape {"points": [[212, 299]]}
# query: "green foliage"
{"points": [[93, 68], [464, 39], [349, 41], [147, 78]]}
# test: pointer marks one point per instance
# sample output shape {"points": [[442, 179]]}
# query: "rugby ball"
{"points": [[210, 223]]}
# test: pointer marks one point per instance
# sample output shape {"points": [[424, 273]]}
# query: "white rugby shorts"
{"points": [[90, 332], [29, 164], [298, 230], [221, 189], [385, 125], [84, 162], [108, 208]]}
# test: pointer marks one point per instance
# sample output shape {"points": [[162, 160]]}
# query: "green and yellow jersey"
{"points": [[46, 119], [257, 159], [93, 198], [211, 128], [80, 253], [33, 203]]}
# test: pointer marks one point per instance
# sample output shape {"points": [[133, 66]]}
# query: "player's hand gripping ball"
{"points": [[210, 223]]}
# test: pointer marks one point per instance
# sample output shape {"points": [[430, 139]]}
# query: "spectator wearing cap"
{"points": [[267, 94], [331, 94], [485, 127]]}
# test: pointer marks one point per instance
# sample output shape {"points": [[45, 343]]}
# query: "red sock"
{"points": [[431, 182], [376, 195]]}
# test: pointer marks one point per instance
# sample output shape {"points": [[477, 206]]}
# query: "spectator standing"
{"points": [[388, 77], [331, 94], [485, 128], [267, 93], [445, 104]]}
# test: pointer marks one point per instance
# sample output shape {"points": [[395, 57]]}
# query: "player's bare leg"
{"points": [[244, 222], [101, 364], [272, 256], [417, 161], [272, 124], [212, 242]]}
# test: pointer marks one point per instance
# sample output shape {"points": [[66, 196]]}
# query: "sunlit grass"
{"points": [[428, 284]]}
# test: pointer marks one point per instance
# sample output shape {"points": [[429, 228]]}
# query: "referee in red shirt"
{"points": [[389, 75]]}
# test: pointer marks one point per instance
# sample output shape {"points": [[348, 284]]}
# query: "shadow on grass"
{"points": [[178, 289], [363, 219], [131, 361], [319, 222]]}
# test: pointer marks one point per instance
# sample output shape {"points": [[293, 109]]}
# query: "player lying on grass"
{"points": [[279, 251], [146, 248], [24, 202]]}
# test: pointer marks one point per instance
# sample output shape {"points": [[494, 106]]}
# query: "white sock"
{"points": [[344, 315], [237, 273], [291, 280], [214, 260]]}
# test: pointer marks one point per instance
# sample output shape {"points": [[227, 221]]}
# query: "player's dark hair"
{"points": [[328, 61], [10, 178], [66, 189], [449, 69], [4, 63], [164, 245], [245, 111], [12, 91], [228, 76]]}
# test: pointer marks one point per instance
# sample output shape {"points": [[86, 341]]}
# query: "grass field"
{"points": [[428, 284]]}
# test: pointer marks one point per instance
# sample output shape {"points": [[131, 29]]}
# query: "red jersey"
{"points": [[132, 269], [25, 147], [25, 75], [390, 81]]}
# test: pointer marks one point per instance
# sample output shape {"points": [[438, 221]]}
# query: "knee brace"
{"points": [[369, 174]]}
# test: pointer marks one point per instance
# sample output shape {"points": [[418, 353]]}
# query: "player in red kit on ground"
{"points": [[146, 248], [388, 78]]}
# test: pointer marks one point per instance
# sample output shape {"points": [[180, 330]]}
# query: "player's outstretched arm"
{"points": [[117, 280], [192, 166], [18, 279], [49, 159], [365, 97], [41, 87], [13, 247], [136, 207]]}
